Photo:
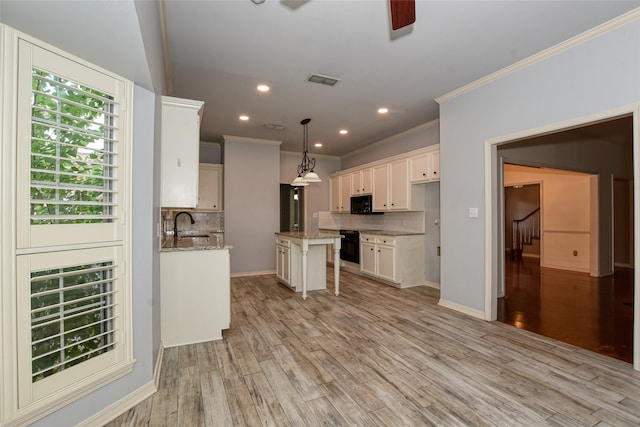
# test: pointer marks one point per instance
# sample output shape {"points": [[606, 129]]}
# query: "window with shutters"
{"points": [[72, 291]]}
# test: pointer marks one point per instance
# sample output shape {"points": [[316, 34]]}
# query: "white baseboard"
{"points": [[120, 407], [433, 285], [253, 273], [462, 308], [157, 370]]}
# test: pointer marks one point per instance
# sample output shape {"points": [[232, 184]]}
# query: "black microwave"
{"points": [[362, 205]]}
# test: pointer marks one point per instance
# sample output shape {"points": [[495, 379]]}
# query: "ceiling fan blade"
{"points": [[403, 13]]}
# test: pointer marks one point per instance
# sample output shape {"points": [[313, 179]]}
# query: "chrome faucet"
{"points": [[175, 222]]}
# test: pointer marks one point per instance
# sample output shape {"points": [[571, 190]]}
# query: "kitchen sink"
{"points": [[192, 236]]}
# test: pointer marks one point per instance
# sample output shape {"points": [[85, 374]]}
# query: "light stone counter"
{"points": [[194, 243]]}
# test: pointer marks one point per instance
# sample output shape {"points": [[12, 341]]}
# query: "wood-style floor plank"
{"points": [[380, 356]]}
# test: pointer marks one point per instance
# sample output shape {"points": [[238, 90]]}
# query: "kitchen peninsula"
{"points": [[301, 260]]}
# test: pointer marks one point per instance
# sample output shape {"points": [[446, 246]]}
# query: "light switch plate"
{"points": [[473, 212]]}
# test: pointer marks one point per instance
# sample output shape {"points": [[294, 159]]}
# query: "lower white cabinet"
{"points": [[195, 296], [289, 265], [394, 259], [283, 261]]}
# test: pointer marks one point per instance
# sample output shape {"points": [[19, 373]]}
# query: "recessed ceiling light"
{"points": [[318, 144], [343, 131], [244, 118], [383, 110], [263, 88]]}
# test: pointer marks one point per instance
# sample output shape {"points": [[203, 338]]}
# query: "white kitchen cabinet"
{"points": [[399, 186], [381, 187], [283, 260], [397, 260], [356, 183], [391, 187], [361, 182], [195, 296], [425, 167], [340, 189], [210, 187], [180, 152], [434, 165], [368, 257], [367, 181]]}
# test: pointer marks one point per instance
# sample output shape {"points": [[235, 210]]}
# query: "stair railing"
{"points": [[525, 230]]}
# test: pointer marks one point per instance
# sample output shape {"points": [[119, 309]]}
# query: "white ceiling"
{"points": [[220, 51]]}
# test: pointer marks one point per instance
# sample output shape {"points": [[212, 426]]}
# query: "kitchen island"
{"points": [[195, 294], [301, 260]]}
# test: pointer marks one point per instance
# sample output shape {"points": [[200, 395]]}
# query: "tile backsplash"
{"points": [[212, 222]]}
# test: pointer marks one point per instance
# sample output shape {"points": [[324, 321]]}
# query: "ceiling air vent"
{"points": [[274, 127], [325, 80]]}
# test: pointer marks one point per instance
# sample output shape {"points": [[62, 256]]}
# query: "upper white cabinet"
{"points": [[381, 187], [361, 182], [390, 181], [180, 151], [425, 167], [399, 186], [340, 193], [210, 187], [391, 187]]}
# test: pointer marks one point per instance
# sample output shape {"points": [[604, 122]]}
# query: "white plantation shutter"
{"points": [[70, 142], [78, 189], [71, 300]]}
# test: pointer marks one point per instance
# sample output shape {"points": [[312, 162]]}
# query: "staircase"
{"points": [[525, 230]]}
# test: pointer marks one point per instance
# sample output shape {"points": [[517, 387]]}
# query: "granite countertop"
{"points": [[306, 235], [381, 232], [194, 243]]}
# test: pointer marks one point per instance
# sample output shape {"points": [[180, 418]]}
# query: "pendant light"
{"points": [[305, 168]]}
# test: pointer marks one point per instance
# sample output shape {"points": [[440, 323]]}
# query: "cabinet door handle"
{"points": [[371, 248], [424, 174]]}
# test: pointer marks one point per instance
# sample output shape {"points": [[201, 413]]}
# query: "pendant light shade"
{"points": [[299, 182], [311, 176], [305, 168]]}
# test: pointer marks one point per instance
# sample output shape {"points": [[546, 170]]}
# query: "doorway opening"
{"points": [[291, 208], [580, 286]]}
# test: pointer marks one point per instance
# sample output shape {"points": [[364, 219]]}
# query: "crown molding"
{"points": [[591, 34]]}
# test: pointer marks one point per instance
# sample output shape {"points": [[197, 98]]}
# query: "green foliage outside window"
{"points": [[71, 152], [71, 316]]}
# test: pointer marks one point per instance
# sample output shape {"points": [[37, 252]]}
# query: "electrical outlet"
{"points": [[575, 253]]}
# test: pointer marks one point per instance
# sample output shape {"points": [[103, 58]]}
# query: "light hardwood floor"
{"points": [[380, 356]]}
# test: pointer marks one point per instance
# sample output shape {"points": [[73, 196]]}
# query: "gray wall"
{"points": [[251, 206], [418, 137], [595, 76], [210, 152], [316, 194]]}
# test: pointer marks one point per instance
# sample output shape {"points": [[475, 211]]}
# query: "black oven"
{"points": [[350, 248]]}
